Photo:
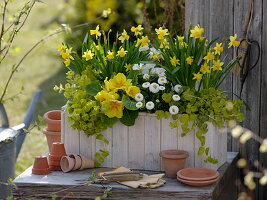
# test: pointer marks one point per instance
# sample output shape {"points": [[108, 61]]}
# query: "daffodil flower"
{"points": [[174, 61], [96, 32], [198, 76], [161, 32], [124, 36], [205, 68], [128, 67], [189, 60], [137, 30], [62, 48], [218, 49], [110, 54], [217, 65], [67, 62], [143, 41], [121, 52], [67, 54], [210, 56], [233, 41], [197, 32], [88, 55]]}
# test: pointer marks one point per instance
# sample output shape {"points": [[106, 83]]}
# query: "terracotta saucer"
{"points": [[197, 174], [198, 183]]}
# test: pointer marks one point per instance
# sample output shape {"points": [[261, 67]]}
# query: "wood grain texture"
{"points": [[65, 186]]}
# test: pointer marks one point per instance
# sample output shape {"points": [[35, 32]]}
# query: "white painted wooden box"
{"points": [[138, 146]]}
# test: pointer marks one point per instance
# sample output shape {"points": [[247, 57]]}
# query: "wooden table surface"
{"points": [[71, 186]]}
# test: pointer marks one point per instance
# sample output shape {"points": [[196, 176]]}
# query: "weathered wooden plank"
{"points": [[152, 143], [169, 136], [44, 185], [136, 140], [86, 143], [120, 145]]}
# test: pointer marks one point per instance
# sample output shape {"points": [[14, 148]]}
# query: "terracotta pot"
{"points": [[57, 152], [40, 166], [86, 163], [55, 168], [53, 120], [67, 163], [197, 174], [173, 161], [52, 137], [198, 183], [78, 161]]}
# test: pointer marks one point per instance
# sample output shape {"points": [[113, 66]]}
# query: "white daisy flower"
{"points": [[177, 88], [176, 97], [150, 105], [145, 84], [174, 110], [146, 69], [136, 67], [139, 104], [144, 48], [154, 87], [146, 76], [162, 80], [139, 97], [161, 87]]}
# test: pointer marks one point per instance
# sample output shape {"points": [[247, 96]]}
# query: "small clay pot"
{"points": [[86, 163], [58, 150], [67, 163], [55, 168], [40, 166], [51, 137], [173, 161], [53, 120], [78, 161]]}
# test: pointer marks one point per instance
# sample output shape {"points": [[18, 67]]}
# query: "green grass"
{"points": [[41, 70]]}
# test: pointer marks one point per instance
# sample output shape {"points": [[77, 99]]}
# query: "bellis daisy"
{"points": [[139, 97], [150, 105], [174, 110]]}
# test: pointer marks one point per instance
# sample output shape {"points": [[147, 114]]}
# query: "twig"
{"points": [[3, 22]]}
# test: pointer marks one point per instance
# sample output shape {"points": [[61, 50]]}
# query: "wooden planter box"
{"points": [[138, 146]]}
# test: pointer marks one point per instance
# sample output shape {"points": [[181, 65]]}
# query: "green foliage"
{"points": [[93, 88], [100, 157], [128, 103], [129, 117]]}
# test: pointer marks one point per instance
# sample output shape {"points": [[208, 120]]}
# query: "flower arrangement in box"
{"points": [[171, 76]]}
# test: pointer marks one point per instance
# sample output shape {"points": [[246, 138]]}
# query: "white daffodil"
{"points": [[139, 104], [144, 48], [154, 87], [161, 87], [146, 85], [139, 97], [162, 80], [174, 110], [177, 88], [146, 69], [146, 76], [150, 105], [176, 97]]}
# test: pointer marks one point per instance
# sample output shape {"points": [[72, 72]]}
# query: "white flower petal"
{"points": [[174, 110], [150, 105]]}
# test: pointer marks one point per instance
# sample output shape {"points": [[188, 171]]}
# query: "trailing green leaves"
{"points": [[128, 103], [129, 117], [93, 88]]}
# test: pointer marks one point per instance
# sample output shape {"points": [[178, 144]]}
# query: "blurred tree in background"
{"points": [[125, 13]]}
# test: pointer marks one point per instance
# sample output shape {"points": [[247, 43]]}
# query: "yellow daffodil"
{"points": [[66, 54], [119, 82], [233, 41], [183, 44], [137, 30], [128, 67], [205, 68], [189, 60], [143, 41], [210, 56], [62, 48], [132, 91], [106, 96], [88, 55], [161, 32], [121, 52], [217, 65], [67, 62], [156, 56], [110, 54], [218, 48], [98, 47], [113, 108], [124, 36], [198, 76], [180, 38], [96, 32], [164, 44], [174, 61], [197, 32]]}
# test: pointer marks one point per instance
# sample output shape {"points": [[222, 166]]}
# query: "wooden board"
{"points": [[64, 186]]}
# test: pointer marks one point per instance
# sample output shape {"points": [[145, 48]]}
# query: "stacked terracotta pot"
{"points": [[53, 129], [40, 166], [57, 152], [75, 162]]}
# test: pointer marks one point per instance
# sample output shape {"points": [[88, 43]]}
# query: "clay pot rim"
{"points": [[197, 170], [52, 121], [198, 183], [174, 154], [46, 132], [69, 159], [74, 156], [41, 171]]}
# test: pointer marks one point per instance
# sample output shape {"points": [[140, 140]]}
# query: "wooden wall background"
{"points": [[226, 17]]}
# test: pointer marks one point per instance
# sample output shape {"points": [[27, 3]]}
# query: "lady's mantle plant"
{"points": [[175, 77]]}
